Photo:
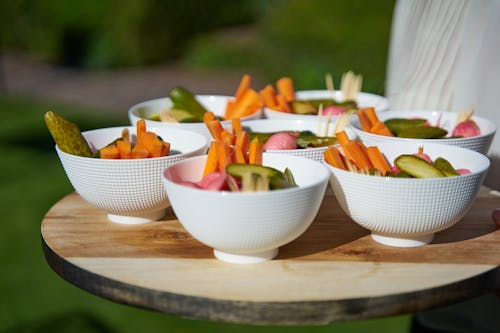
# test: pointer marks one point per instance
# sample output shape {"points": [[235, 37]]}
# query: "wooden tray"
{"points": [[333, 272]]}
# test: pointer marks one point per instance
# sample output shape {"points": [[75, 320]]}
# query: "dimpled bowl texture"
{"points": [[380, 103], [313, 125], [247, 227], [213, 103], [406, 212], [129, 190], [445, 120]]}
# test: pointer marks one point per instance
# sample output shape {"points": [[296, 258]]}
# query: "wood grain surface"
{"points": [[333, 272]]}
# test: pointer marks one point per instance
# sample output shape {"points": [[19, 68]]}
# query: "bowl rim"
{"points": [[478, 155], [132, 110], [182, 154], [354, 125], [316, 183]]}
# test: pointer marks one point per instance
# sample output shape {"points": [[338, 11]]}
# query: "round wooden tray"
{"points": [[333, 272]]}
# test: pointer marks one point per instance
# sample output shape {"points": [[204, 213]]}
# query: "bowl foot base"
{"points": [[138, 218], [412, 241], [251, 258]]}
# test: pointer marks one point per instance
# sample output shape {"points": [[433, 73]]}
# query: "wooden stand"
{"points": [[333, 272]]}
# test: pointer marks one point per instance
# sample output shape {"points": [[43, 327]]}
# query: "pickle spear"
{"points": [[445, 167], [67, 135], [417, 167]]}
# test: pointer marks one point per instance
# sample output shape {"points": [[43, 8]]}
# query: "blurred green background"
{"points": [[303, 39]]}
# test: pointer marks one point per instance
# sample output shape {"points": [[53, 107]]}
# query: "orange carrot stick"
{"points": [[342, 137], [236, 124], [358, 155], [141, 129], [207, 116], [255, 151], [334, 158], [243, 86], [166, 148], [125, 149], [239, 157], [381, 129], [364, 121], [152, 144], [109, 152], [269, 96], [211, 164], [378, 160], [227, 137], [285, 88], [224, 155], [139, 151], [371, 115], [247, 104], [242, 141], [215, 129], [283, 104]]}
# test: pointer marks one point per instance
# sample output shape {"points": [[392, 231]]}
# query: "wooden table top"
{"points": [[333, 272]]}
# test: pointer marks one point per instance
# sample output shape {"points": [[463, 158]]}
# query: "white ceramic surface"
{"points": [[130, 191], [445, 120], [313, 125], [380, 103], [245, 227], [407, 212], [213, 103]]}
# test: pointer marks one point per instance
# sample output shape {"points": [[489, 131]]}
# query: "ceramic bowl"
{"points": [[407, 212], [213, 103], [245, 227], [380, 103], [445, 120], [129, 190], [313, 125]]}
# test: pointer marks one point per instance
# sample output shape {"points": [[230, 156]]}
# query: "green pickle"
{"points": [[422, 132], [277, 179], [396, 125], [67, 135], [417, 167], [445, 167], [192, 110]]}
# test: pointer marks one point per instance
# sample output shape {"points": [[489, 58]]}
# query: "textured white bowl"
{"points": [[276, 125], [380, 103], [446, 120], [245, 227], [407, 212], [213, 103], [131, 190]]}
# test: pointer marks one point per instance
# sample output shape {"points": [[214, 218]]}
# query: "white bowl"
{"points": [[129, 190], [277, 125], [245, 227], [406, 212], [446, 120], [213, 103], [380, 103]]}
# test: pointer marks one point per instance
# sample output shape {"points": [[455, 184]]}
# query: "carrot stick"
{"points": [[227, 138], [109, 152], [224, 156], [381, 129], [207, 116], [242, 141], [236, 124], [229, 108], [211, 164], [342, 137], [269, 96], [371, 115], [285, 88], [125, 149], [283, 104], [255, 151], [358, 155], [215, 129], [139, 151], [378, 160], [141, 129], [243, 86], [334, 158], [247, 104], [364, 121], [239, 157], [166, 148]]}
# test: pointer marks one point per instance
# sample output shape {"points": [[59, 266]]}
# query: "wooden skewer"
{"points": [[329, 84]]}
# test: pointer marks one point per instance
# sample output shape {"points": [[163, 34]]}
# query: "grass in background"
{"points": [[305, 39], [34, 298]]}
